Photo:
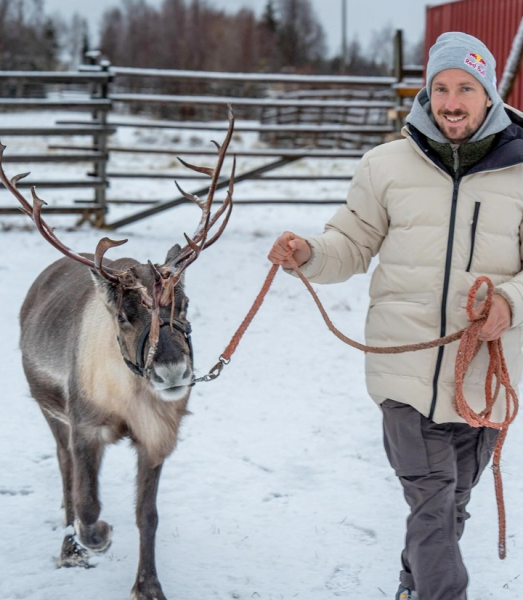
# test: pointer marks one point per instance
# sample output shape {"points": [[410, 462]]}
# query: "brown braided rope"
{"points": [[497, 370], [468, 348]]}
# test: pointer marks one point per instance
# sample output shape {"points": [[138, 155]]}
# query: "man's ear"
{"points": [[489, 103]]}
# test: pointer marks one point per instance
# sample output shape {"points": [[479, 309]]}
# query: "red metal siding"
{"points": [[495, 22]]}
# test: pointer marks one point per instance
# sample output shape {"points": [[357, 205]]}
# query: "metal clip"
{"points": [[215, 371]]}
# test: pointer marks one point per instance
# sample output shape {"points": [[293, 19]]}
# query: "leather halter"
{"points": [[181, 326]]}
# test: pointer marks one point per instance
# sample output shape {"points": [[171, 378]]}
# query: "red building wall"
{"points": [[494, 22]]}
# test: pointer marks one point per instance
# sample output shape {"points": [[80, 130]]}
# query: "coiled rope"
{"points": [[469, 345]]}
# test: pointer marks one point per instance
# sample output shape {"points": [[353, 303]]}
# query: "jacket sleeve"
{"points": [[353, 235], [512, 290]]}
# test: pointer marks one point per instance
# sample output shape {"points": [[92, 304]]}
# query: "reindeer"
{"points": [[107, 354]]}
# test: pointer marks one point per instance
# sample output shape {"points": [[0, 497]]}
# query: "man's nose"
{"points": [[452, 103]]}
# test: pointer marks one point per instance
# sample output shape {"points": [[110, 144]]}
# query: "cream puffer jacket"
{"points": [[434, 236]]}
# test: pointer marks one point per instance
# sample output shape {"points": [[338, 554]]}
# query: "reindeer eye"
{"points": [[121, 318]]}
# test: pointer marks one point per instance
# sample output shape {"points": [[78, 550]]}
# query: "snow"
{"points": [[279, 488]]}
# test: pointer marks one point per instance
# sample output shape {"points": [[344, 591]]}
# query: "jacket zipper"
{"points": [[473, 233], [446, 280]]}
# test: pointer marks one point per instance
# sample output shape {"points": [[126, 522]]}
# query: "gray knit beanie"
{"points": [[456, 50]]}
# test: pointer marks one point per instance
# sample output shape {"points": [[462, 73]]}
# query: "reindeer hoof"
{"points": [[96, 537], [73, 554], [147, 589]]}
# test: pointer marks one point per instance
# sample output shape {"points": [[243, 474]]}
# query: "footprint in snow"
{"points": [[344, 581]]}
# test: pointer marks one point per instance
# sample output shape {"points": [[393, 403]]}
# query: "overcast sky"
{"points": [[363, 16]]}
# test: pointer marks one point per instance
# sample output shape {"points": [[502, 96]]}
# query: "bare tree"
{"points": [[267, 38], [380, 49], [113, 36], [192, 34], [73, 40], [28, 39], [172, 26], [301, 39]]}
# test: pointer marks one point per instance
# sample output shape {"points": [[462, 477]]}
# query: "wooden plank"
{"points": [[52, 130], [45, 104], [53, 158], [253, 77], [67, 210], [406, 91], [237, 202], [180, 176], [276, 128], [265, 152], [56, 76], [92, 182], [236, 101]]}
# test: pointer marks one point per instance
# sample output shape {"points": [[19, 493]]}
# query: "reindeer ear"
{"points": [[170, 259], [105, 287]]}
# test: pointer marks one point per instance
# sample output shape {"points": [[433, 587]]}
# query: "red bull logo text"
{"points": [[476, 62]]}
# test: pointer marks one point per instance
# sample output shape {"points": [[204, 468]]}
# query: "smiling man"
{"points": [[459, 104], [441, 207]]}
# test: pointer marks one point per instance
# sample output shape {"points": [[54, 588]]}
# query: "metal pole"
{"points": [[511, 69], [343, 36]]}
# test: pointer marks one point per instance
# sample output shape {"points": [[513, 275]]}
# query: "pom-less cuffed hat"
{"points": [[456, 50]]}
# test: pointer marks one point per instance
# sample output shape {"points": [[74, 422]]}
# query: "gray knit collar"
{"points": [[421, 118]]}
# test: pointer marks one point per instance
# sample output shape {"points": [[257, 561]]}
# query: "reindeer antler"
{"points": [[199, 241], [34, 211], [166, 277]]}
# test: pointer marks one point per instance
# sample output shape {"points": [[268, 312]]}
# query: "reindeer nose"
{"points": [[156, 378], [171, 375]]}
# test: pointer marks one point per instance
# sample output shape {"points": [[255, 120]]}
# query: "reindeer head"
{"points": [[164, 358], [147, 301]]}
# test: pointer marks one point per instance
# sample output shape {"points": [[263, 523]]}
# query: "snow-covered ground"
{"points": [[280, 488]]}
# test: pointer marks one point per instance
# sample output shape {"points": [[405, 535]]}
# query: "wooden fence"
{"points": [[23, 90], [297, 116]]}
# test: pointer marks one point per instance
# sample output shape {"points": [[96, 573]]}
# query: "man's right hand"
{"points": [[289, 249]]}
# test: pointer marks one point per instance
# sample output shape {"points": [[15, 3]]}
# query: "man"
{"points": [[442, 206]]}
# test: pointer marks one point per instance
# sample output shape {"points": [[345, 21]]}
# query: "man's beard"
{"points": [[466, 134]]}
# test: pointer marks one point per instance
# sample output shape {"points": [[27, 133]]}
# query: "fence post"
{"points": [[397, 69], [100, 91], [397, 72]]}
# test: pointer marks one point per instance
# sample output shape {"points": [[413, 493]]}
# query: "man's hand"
{"points": [[287, 247], [498, 321]]}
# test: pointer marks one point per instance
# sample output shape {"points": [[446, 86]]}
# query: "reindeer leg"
{"points": [[72, 553], [61, 435], [147, 586], [93, 534], [52, 404]]}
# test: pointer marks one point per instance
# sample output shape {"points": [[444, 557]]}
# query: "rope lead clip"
{"points": [[215, 372]]}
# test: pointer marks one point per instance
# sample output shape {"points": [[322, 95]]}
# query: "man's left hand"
{"points": [[498, 321]]}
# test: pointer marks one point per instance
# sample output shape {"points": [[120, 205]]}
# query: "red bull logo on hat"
{"points": [[476, 62]]}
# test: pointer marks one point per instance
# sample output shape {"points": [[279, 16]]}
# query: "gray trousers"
{"points": [[437, 465]]}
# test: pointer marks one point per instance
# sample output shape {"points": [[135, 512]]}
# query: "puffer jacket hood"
{"points": [[435, 235], [505, 152]]}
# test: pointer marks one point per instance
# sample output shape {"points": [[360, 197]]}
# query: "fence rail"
{"points": [[342, 119], [254, 77]]}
